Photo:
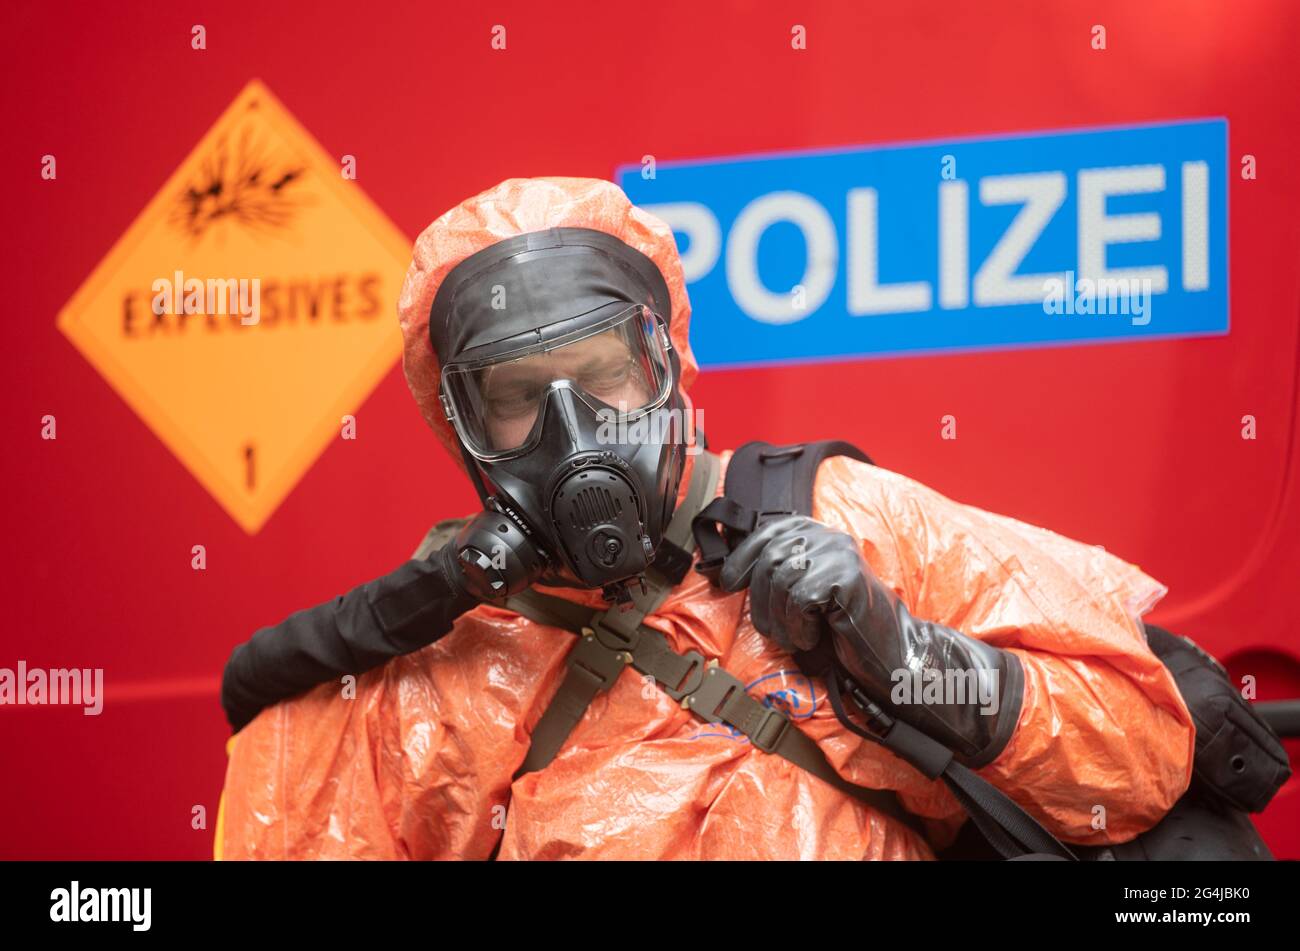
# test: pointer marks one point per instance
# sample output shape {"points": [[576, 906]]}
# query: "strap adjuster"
{"points": [[762, 518], [711, 568], [765, 737], [672, 561]]}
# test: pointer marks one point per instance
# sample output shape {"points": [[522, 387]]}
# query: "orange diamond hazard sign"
{"points": [[249, 307]]}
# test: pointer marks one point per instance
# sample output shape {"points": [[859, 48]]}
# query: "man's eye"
{"points": [[607, 378], [517, 402]]}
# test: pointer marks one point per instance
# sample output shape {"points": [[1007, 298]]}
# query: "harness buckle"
{"points": [[693, 677], [716, 686]]}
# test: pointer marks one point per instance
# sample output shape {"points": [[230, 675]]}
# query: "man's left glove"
{"points": [[805, 578]]}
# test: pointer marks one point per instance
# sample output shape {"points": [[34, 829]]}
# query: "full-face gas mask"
{"points": [[561, 382]]}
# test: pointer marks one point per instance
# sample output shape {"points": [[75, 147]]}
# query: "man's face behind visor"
{"points": [[618, 368], [602, 366]]}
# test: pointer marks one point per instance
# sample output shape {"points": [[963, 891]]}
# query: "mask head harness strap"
{"points": [[497, 298]]}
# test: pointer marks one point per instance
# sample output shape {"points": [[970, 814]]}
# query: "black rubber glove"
{"points": [[401, 612], [805, 578]]}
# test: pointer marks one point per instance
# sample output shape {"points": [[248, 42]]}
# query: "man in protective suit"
{"points": [[546, 342]]}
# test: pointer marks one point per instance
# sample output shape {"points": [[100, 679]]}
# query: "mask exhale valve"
{"points": [[597, 519]]}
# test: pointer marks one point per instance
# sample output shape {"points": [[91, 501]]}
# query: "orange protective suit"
{"points": [[419, 764]]}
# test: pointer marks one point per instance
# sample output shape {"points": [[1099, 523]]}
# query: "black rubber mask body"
{"points": [[596, 508]]}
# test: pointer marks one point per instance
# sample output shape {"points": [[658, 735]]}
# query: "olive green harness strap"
{"points": [[611, 641], [593, 666]]}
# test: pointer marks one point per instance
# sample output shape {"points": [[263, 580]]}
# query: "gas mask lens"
{"points": [[619, 367]]}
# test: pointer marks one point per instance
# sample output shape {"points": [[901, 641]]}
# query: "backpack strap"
{"points": [[763, 482], [1012, 831]]}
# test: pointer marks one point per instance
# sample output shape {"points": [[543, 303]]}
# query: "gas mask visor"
{"points": [[618, 365]]}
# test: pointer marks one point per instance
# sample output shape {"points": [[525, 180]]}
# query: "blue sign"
{"points": [[1104, 234]]}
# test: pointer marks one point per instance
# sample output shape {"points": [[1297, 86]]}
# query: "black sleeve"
{"points": [[401, 612]]}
